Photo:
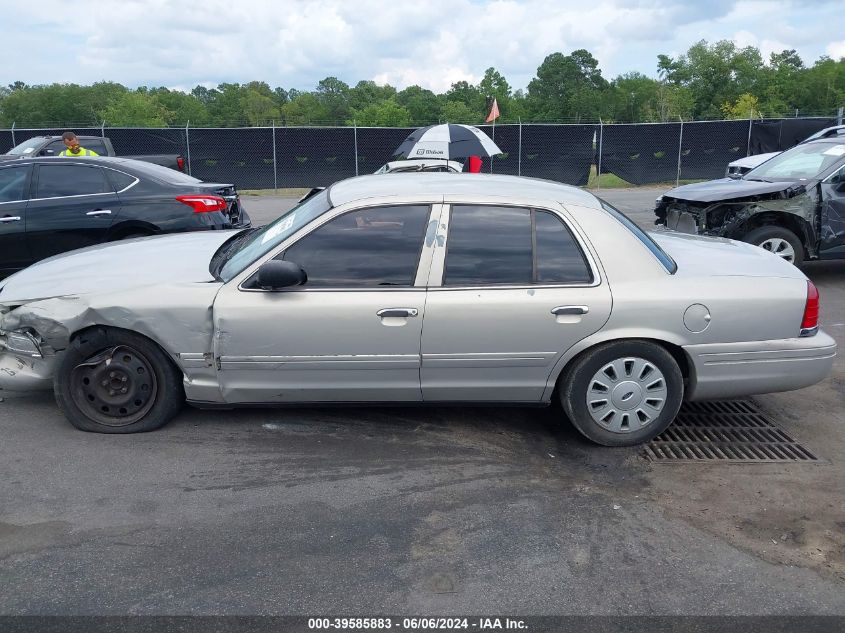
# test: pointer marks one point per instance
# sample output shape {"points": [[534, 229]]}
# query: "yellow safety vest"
{"points": [[82, 152]]}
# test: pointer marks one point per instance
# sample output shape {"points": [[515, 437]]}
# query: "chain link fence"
{"points": [[287, 157]]}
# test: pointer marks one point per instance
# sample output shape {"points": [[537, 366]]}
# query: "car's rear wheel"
{"points": [[778, 240], [622, 393], [115, 381]]}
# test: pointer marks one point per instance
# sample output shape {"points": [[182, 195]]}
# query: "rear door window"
{"points": [[13, 183], [55, 181], [490, 245]]}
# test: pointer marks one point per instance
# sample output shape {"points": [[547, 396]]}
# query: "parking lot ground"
{"points": [[418, 511]]}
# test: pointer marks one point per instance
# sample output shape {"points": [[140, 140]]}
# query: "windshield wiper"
{"points": [[760, 180]]}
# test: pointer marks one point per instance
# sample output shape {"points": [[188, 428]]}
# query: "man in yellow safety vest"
{"points": [[73, 146]]}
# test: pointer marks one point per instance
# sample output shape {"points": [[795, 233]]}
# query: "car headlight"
{"points": [[21, 343], [658, 200]]}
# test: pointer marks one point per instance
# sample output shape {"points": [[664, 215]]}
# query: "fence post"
{"points": [[355, 137], [750, 121], [680, 145], [598, 162], [13, 134], [519, 152], [840, 115], [103, 129], [188, 144], [275, 173]]}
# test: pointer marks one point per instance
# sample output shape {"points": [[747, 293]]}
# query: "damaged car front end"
{"points": [[27, 363], [791, 205]]}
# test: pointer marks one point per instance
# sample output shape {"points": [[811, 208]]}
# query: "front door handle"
{"points": [[10, 218], [99, 212], [397, 312], [570, 310]]}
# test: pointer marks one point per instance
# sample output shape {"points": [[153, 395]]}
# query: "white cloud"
{"points": [[836, 50], [294, 43]]}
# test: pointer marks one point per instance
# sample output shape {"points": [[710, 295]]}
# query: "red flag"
{"points": [[494, 112]]}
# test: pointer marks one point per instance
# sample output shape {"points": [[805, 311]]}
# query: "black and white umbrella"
{"points": [[447, 140]]}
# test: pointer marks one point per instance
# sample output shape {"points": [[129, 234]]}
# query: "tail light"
{"points": [[180, 163], [203, 204], [810, 321]]}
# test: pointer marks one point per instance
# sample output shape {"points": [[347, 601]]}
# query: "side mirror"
{"points": [[735, 175], [278, 274]]}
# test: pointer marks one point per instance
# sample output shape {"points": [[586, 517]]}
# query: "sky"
{"points": [[431, 43]]}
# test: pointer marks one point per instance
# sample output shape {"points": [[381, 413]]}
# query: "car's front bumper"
{"points": [[20, 373], [727, 370]]}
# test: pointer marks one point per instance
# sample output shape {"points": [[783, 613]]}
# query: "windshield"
{"points": [[802, 162], [27, 147], [265, 239]]}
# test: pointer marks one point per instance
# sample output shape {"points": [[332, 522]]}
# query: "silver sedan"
{"points": [[421, 289]]}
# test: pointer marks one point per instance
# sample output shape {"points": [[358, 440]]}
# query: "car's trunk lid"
{"points": [[698, 255]]}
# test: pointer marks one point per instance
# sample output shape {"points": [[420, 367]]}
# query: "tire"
{"points": [[779, 241], [641, 408], [116, 381]]}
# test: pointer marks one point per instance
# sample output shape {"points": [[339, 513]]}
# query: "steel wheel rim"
{"points": [[779, 247], [115, 387], [626, 395]]}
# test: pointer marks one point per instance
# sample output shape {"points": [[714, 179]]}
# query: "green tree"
{"points": [[384, 114], [367, 93], [304, 109], [746, 106], [184, 108], [259, 108], [423, 105], [715, 74], [135, 109], [459, 112], [333, 95], [566, 86]]}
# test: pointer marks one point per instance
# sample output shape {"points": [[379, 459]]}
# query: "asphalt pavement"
{"points": [[417, 510]]}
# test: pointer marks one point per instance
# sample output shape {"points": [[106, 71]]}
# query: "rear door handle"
{"points": [[397, 312], [10, 218], [570, 310], [99, 212]]}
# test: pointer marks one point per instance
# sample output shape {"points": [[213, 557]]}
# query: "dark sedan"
{"points": [[52, 205]]}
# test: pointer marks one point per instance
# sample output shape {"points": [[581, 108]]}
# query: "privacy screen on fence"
{"points": [[263, 158]]}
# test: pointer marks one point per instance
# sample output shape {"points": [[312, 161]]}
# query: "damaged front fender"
{"points": [[177, 317]]}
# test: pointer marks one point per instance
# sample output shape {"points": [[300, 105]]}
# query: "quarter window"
{"points": [[119, 180], [70, 180], [559, 258], [375, 247], [12, 181], [511, 246]]}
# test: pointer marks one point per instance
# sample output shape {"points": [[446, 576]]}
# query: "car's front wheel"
{"points": [[622, 393], [779, 241], [116, 381]]}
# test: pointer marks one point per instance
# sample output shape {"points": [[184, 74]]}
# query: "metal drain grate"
{"points": [[731, 430]]}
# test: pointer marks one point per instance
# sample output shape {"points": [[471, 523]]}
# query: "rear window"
{"points": [[668, 263], [165, 174]]}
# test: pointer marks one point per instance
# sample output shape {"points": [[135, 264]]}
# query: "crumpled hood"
{"points": [[729, 189], [178, 258], [697, 255]]}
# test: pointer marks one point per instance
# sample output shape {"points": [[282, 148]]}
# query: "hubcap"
{"points": [[779, 247], [626, 394], [115, 387]]}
